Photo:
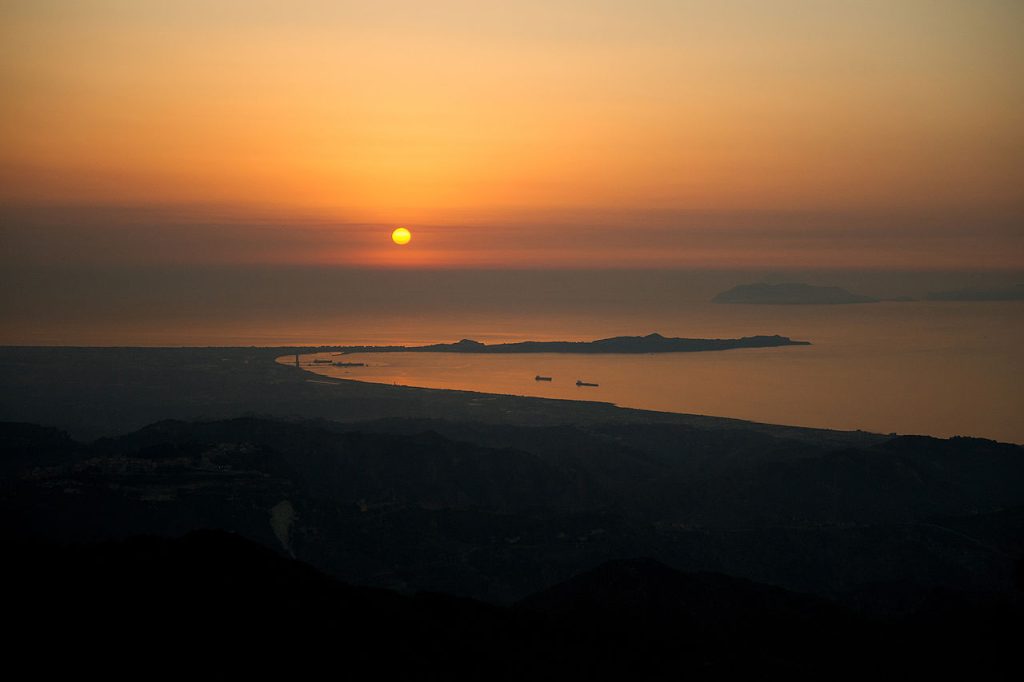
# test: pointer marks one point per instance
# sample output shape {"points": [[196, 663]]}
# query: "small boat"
{"points": [[540, 378], [584, 383]]}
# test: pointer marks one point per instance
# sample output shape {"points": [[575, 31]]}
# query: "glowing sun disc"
{"points": [[401, 236]]}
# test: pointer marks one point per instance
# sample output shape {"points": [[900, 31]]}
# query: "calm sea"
{"points": [[941, 368], [932, 368]]}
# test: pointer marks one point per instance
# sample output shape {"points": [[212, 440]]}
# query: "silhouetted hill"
{"points": [[498, 512], [211, 600], [792, 293], [649, 588], [26, 445]]}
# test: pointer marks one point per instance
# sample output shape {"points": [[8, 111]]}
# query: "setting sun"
{"points": [[401, 236]]}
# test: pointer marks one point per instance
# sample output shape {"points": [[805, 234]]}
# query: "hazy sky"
{"points": [[558, 133]]}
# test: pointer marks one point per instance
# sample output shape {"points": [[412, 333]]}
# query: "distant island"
{"points": [[652, 343], [792, 293], [1009, 294]]}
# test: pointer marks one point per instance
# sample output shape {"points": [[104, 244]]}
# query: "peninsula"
{"points": [[652, 343]]}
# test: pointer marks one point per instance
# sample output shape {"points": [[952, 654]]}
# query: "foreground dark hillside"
{"points": [[767, 550], [498, 512], [212, 599]]}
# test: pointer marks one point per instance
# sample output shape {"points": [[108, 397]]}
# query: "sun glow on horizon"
{"points": [[607, 125], [401, 236]]}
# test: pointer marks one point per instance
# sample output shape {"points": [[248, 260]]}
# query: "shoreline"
{"points": [[97, 392], [619, 399], [94, 392], [640, 414]]}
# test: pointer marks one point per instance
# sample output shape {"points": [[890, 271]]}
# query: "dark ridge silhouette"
{"points": [[499, 511], [30, 445], [213, 598], [793, 293], [652, 343], [693, 600]]}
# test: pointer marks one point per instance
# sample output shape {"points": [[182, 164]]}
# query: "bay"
{"points": [[934, 368]]}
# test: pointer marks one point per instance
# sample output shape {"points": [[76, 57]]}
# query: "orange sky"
{"points": [[491, 126]]}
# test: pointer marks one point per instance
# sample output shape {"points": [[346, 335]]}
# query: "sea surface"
{"points": [[935, 368], [932, 367]]}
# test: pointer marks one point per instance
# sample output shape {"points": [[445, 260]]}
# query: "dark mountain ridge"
{"points": [[211, 598], [499, 512]]}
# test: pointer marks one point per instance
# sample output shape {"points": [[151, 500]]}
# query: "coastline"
{"points": [[588, 411], [94, 392]]}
